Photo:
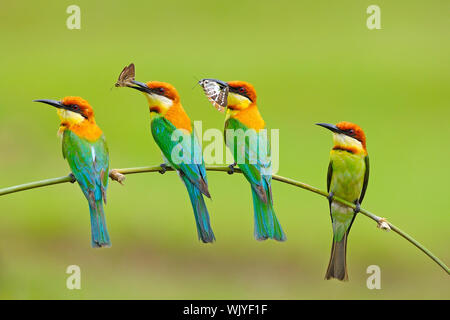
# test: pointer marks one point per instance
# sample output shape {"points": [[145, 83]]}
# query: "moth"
{"points": [[216, 91], [126, 76]]}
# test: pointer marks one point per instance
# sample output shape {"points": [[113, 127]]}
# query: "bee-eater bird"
{"points": [[84, 147], [348, 176], [243, 114], [169, 120]]}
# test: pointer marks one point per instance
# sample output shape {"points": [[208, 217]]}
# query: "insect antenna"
{"points": [[196, 81]]}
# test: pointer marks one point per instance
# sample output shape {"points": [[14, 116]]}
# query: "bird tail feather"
{"points": [[266, 222], [204, 230], [337, 267], [100, 236]]}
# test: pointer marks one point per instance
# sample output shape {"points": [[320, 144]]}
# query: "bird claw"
{"points": [[72, 178], [383, 224], [357, 209], [163, 168], [231, 168], [330, 196]]}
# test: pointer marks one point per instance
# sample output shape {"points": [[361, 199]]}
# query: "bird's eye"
{"points": [[351, 131], [75, 107], [241, 90], [161, 90]]}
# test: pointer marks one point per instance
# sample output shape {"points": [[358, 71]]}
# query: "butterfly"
{"points": [[126, 76], [216, 91]]}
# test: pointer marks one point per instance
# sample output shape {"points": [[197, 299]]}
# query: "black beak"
{"points": [[331, 127], [140, 86], [221, 83], [54, 103]]}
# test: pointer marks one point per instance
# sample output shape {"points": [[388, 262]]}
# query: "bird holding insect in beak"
{"points": [[242, 115], [173, 133], [348, 176], [84, 147]]}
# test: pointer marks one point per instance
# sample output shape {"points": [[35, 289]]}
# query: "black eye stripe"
{"points": [[352, 133], [242, 93], [160, 91], [348, 131], [75, 108]]}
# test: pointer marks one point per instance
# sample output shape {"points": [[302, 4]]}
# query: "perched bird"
{"points": [[84, 147], [173, 133], [242, 114], [348, 175]]}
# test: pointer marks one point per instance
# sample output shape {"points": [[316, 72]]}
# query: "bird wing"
{"points": [[329, 175], [366, 179], [89, 162], [198, 157], [257, 166], [190, 161]]}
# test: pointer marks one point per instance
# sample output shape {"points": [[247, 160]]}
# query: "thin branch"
{"points": [[117, 175], [37, 184]]}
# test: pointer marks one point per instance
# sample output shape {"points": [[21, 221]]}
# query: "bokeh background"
{"points": [[310, 62]]}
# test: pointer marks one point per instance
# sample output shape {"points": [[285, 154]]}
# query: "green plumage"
{"points": [[256, 167], [348, 175], [185, 155], [89, 162]]}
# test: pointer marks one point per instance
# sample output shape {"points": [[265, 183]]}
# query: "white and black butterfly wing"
{"points": [[216, 93]]}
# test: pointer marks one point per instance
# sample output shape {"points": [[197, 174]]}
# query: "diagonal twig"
{"points": [[118, 175]]}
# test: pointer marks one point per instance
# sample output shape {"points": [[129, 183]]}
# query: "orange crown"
{"points": [[244, 88], [83, 104], [358, 133], [164, 89]]}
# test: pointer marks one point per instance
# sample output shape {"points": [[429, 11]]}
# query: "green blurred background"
{"points": [[310, 62]]}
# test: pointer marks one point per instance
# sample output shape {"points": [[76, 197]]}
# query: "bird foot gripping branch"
{"points": [[231, 168], [72, 178], [163, 168], [116, 176], [383, 224]]}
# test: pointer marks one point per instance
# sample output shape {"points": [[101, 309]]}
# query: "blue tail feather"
{"points": [[266, 222], [100, 236], [204, 230]]}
